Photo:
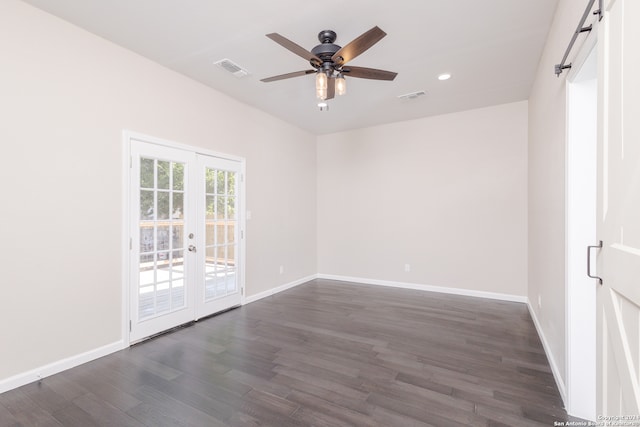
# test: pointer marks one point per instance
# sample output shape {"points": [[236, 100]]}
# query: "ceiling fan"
{"points": [[329, 61]]}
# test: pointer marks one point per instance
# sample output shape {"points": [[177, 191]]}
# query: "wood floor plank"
{"points": [[44, 396], [427, 411], [330, 395], [72, 415], [345, 388], [6, 418], [309, 417], [388, 418], [325, 353], [104, 413], [258, 383], [319, 405], [25, 411], [108, 385], [159, 409]]}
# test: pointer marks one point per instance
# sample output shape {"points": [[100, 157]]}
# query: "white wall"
{"points": [[445, 194], [547, 169], [65, 97]]}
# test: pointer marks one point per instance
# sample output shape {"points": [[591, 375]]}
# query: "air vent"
{"points": [[413, 95], [232, 67]]}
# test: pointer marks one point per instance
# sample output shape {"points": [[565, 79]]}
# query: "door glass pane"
{"points": [[163, 205], [163, 272], [231, 184], [178, 176], [211, 180], [146, 204], [231, 231], [178, 237], [230, 205], [177, 268], [220, 206], [177, 294], [231, 255], [209, 286], [147, 241], [211, 207], [220, 239], [147, 273], [163, 293], [163, 174], [177, 208], [222, 182], [211, 258], [230, 282], [162, 240], [146, 173], [146, 302]]}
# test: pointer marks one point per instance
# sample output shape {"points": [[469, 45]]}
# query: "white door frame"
{"points": [[580, 226], [127, 137]]}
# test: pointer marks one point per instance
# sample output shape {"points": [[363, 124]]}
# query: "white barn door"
{"points": [[618, 299]]}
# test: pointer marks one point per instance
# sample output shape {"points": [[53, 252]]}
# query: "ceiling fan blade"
{"points": [[297, 49], [331, 88], [358, 46], [369, 73], [288, 76]]}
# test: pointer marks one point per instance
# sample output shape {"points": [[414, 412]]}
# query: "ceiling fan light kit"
{"points": [[321, 85], [341, 84], [328, 61]]}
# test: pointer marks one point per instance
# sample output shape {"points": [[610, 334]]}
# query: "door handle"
{"points": [[191, 248], [598, 246]]}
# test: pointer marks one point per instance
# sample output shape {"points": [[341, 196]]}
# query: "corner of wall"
{"points": [[549, 352]]}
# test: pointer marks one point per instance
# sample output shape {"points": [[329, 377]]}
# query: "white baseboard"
{"points": [[269, 292], [59, 366], [549, 353], [429, 288]]}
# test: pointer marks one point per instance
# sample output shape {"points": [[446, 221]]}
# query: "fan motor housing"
{"points": [[326, 49]]}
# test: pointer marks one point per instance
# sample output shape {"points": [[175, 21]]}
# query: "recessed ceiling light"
{"points": [[444, 76]]}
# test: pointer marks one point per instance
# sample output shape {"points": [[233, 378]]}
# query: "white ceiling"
{"points": [[491, 47]]}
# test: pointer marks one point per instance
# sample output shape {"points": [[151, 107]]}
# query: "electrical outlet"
{"points": [[282, 269], [407, 267], [539, 302]]}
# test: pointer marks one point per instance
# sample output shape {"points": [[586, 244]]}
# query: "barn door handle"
{"points": [[598, 246]]}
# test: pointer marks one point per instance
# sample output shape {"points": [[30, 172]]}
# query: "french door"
{"points": [[219, 231], [185, 237], [618, 227]]}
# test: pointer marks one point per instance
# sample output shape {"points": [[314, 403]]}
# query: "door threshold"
{"points": [[184, 325], [168, 331], [218, 312]]}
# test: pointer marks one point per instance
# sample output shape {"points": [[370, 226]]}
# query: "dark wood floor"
{"points": [[325, 353]]}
